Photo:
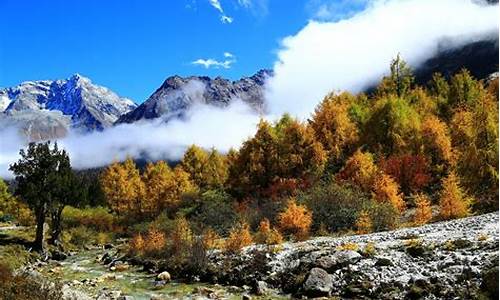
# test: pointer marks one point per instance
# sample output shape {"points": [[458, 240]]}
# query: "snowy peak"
{"points": [[87, 106]]}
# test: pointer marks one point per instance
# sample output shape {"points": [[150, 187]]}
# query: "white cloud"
{"points": [[354, 53], [204, 125], [213, 63], [223, 17]]}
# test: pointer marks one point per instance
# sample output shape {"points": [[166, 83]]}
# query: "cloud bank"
{"points": [[353, 53]]}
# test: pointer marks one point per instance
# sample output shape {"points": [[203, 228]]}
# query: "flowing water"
{"points": [[84, 272]]}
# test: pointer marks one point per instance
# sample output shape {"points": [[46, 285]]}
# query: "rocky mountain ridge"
{"points": [[47, 108], [177, 94]]}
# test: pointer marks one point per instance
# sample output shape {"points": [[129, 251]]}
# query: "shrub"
{"points": [[24, 286], [239, 237], [453, 202], [423, 212], [348, 246], [216, 211], [383, 215], [98, 218], [296, 220], [211, 239], [267, 235], [137, 245], [79, 236], [181, 236], [369, 249], [335, 206], [155, 242], [364, 223]]}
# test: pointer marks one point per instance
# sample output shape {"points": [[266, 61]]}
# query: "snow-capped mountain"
{"points": [[45, 109], [177, 94]]}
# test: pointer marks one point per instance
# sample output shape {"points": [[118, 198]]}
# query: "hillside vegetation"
{"points": [[403, 155]]}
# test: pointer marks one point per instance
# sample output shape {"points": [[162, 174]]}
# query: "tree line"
{"points": [[359, 162]]}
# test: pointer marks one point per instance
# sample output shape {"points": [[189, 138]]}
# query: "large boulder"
{"points": [[338, 260], [318, 283]]}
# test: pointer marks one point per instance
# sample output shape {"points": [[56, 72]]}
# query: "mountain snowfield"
{"points": [[46, 109]]}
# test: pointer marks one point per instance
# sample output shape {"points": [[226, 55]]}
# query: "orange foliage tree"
{"points": [[239, 237], [359, 169], [295, 220], [333, 126], [386, 189], [411, 172], [267, 235]]}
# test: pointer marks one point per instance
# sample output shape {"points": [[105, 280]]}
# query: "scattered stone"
{"points": [[384, 262], [261, 288], [120, 267], [490, 282], [318, 283], [58, 255]]}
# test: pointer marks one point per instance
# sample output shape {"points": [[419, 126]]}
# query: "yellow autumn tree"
{"points": [[333, 127], [123, 188], [360, 170], [159, 180], [216, 170], [453, 202], [194, 163], [295, 220], [239, 237], [267, 235], [364, 223], [436, 141], [423, 210], [386, 190]]}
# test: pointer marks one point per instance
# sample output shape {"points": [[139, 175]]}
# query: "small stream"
{"points": [[84, 272]]}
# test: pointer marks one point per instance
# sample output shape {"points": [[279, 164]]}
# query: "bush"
{"points": [[239, 237], [335, 206], [296, 220], [98, 218], [24, 286], [79, 236], [384, 216], [211, 240], [267, 235], [215, 211], [364, 223]]}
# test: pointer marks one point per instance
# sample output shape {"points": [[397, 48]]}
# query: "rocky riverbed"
{"points": [[446, 260]]}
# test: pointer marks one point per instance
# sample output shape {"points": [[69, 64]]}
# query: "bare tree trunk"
{"points": [[55, 238], [40, 221]]}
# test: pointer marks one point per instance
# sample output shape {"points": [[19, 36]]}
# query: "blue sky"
{"points": [[131, 46]]}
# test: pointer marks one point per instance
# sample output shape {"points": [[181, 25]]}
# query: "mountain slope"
{"points": [[480, 58], [177, 94], [44, 108]]}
